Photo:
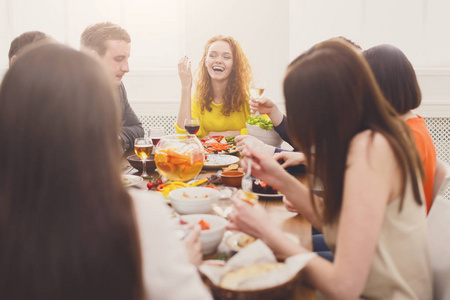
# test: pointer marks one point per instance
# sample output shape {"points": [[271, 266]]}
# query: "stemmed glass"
{"points": [[223, 206], [257, 89], [156, 133], [143, 148], [191, 125]]}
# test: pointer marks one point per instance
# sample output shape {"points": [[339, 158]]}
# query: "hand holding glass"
{"points": [[143, 148], [257, 89]]}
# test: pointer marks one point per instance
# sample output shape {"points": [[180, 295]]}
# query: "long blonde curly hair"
{"points": [[236, 92]]}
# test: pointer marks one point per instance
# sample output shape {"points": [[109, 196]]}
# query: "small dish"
{"points": [[130, 180], [212, 237], [193, 200], [232, 178], [136, 163]]}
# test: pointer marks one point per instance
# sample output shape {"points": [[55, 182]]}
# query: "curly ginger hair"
{"points": [[236, 92]]}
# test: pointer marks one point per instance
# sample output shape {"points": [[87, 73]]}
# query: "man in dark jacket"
{"points": [[111, 44]]}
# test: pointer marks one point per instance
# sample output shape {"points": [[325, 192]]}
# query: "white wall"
{"points": [[261, 26], [271, 32]]}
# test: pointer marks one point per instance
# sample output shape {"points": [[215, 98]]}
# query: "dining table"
{"points": [[293, 224]]}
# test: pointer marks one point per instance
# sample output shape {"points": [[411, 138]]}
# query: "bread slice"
{"points": [[233, 279]]}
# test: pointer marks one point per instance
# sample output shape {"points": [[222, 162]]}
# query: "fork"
{"points": [[246, 182]]}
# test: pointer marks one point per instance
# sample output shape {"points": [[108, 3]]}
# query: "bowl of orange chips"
{"points": [[179, 157]]}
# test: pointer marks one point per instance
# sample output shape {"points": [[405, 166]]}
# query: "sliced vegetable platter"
{"points": [[219, 145]]}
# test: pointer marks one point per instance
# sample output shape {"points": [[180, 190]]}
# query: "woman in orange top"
{"points": [[397, 80]]}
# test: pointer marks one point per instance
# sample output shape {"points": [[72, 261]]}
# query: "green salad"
{"points": [[261, 121]]}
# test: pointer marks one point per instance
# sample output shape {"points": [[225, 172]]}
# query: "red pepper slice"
{"points": [[161, 186], [204, 225], [212, 186]]}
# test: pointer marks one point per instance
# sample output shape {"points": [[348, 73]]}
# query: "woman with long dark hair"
{"points": [[68, 227], [372, 212]]}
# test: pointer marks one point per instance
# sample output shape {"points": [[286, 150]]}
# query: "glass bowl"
{"points": [[179, 157]]}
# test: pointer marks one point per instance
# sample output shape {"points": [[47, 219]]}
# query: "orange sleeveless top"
{"points": [[427, 153]]}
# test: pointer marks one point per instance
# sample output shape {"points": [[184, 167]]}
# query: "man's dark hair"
{"points": [[25, 39]]}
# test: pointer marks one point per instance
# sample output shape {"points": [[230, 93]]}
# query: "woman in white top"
{"points": [[372, 213]]}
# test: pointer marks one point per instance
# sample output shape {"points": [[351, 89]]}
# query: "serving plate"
{"points": [[217, 161], [130, 180], [278, 196]]}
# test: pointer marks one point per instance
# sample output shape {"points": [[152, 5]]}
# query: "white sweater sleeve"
{"points": [[166, 269]]}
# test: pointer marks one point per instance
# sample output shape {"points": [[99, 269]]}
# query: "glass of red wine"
{"points": [[156, 133], [192, 125]]}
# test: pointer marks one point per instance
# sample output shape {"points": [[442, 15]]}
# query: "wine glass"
{"points": [[143, 148], [191, 125], [223, 206], [156, 133], [257, 89]]}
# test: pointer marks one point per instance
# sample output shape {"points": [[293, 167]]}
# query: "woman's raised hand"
{"points": [[263, 105], [184, 71], [266, 106]]}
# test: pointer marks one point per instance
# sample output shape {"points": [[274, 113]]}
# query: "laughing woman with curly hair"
{"points": [[220, 100]]}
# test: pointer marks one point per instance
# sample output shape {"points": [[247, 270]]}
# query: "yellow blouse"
{"points": [[214, 120]]}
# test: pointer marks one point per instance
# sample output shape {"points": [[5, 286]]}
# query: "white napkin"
{"points": [[258, 253]]}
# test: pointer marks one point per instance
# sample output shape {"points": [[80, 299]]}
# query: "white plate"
{"points": [[217, 161], [130, 180]]}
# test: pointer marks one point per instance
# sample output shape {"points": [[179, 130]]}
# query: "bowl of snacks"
{"points": [[193, 200], [136, 162], [255, 273], [262, 128], [213, 228], [179, 157], [232, 178]]}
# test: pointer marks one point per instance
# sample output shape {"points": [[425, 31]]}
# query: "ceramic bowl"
{"points": [[136, 163], [232, 178], [193, 200], [212, 237], [269, 137]]}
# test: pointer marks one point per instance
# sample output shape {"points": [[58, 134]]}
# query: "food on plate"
{"points": [[262, 122], [233, 279], [126, 181], [261, 187], [248, 197], [245, 240], [232, 167], [230, 139], [219, 145], [166, 188]]}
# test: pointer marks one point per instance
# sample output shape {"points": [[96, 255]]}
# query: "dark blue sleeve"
{"points": [[131, 126], [281, 129]]}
